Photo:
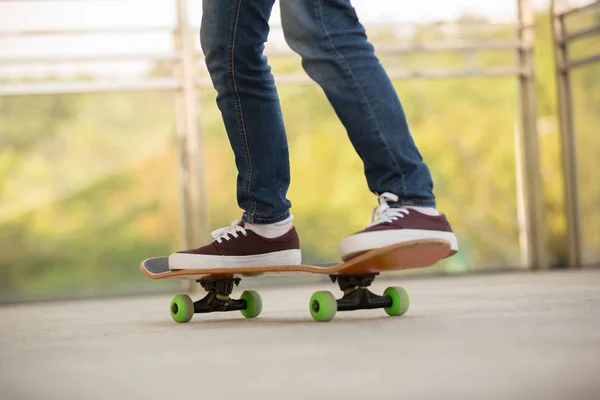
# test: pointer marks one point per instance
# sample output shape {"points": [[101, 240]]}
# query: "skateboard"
{"points": [[353, 276]]}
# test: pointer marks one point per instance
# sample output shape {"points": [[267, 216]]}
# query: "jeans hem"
{"points": [[414, 202], [263, 221]]}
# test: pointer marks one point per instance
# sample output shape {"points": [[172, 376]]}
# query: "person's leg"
{"points": [[232, 35], [337, 55]]}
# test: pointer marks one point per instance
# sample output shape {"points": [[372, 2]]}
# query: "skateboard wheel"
{"points": [[182, 308], [253, 303], [400, 301], [323, 306]]}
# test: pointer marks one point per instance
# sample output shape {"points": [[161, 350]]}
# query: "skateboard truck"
{"points": [[218, 298], [356, 295]]}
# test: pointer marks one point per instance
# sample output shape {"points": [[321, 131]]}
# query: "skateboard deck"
{"points": [[353, 276], [408, 255]]}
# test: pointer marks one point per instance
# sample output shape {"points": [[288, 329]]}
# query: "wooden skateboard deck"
{"points": [[408, 255], [353, 277]]}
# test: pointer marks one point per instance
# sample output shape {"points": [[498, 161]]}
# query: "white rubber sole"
{"points": [[199, 261], [366, 241]]}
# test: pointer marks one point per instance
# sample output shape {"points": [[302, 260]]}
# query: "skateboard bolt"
{"points": [[315, 306], [174, 308]]}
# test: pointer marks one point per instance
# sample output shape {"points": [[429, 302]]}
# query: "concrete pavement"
{"points": [[498, 336]]}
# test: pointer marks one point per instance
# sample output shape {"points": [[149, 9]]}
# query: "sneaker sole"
{"points": [[199, 261], [362, 242]]}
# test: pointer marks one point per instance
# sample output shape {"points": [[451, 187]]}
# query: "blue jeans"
{"points": [[336, 55]]}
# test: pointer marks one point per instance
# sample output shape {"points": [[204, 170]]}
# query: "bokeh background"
{"points": [[90, 171]]}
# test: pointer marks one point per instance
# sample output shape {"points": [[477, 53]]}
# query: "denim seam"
{"points": [[362, 95], [238, 105], [261, 221]]}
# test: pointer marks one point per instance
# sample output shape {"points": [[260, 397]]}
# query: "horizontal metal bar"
{"points": [[382, 49], [480, 26], [171, 84], [75, 58], [87, 31], [442, 47], [582, 61], [303, 79], [274, 26], [47, 88], [455, 73], [168, 28], [392, 49], [578, 10], [581, 34]]}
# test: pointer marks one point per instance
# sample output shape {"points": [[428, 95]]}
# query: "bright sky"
{"points": [[82, 14]]}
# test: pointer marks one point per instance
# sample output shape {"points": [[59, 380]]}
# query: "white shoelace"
{"points": [[233, 229], [384, 213]]}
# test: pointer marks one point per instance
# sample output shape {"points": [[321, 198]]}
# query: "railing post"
{"points": [[535, 208], [194, 212], [567, 138]]}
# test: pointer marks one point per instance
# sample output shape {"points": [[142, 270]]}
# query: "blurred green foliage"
{"points": [[89, 184]]}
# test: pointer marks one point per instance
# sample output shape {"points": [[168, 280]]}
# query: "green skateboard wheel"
{"points": [[182, 308], [253, 304], [323, 306], [400, 301]]}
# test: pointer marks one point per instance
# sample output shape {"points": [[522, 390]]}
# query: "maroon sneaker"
{"points": [[235, 246], [391, 225]]}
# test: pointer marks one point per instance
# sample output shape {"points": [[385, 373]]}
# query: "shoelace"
{"points": [[384, 213], [233, 229]]}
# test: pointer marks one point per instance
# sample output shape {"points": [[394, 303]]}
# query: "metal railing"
{"points": [[564, 66], [186, 80]]}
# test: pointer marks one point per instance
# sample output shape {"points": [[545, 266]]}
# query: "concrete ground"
{"points": [[507, 336]]}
